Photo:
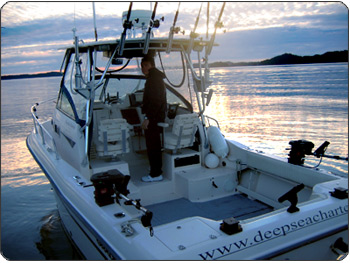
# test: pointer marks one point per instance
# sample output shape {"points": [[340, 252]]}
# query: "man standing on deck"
{"points": [[154, 107]]}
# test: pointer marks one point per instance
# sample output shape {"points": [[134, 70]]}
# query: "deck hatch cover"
{"points": [[181, 235]]}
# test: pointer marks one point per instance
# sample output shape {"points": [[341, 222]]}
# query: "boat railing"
{"points": [[46, 138], [209, 120]]}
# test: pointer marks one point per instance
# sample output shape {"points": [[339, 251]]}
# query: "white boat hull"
{"points": [[238, 205], [275, 235]]}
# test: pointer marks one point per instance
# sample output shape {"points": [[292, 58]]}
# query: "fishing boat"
{"points": [[219, 199]]}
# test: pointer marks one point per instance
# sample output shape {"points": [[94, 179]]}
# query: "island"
{"points": [[287, 58]]}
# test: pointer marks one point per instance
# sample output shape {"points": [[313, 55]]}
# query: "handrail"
{"points": [[208, 118], [40, 129]]}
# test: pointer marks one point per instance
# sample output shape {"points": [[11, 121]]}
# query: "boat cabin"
{"points": [[99, 109]]}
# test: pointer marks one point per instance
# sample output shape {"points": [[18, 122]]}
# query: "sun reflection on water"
{"points": [[18, 167], [265, 115]]}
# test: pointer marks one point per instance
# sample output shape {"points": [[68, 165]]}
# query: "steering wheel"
{"points": [[112, 99]]}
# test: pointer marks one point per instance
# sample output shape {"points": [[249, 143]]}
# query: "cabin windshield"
{"points": [[70, 101], [177, 75], [123, 77], [118, 86]]}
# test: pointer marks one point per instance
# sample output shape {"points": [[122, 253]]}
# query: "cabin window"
{"points": [[64, 105]]}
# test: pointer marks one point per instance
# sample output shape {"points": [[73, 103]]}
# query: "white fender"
{"points": [[212, 161], [217, 142]]}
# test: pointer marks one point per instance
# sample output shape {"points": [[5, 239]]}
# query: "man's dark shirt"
{"points": [[154, 96]]}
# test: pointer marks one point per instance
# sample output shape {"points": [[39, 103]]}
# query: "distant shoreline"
{"points": [[28, 76], [290, 59], [285, 59]]}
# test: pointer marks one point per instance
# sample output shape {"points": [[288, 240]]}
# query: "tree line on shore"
{"points": [[287, 58]]}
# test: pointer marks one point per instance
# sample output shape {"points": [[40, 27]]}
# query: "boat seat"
{"points": [[113, 137], [182, 133]]}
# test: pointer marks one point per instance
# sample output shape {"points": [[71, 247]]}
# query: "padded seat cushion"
{"points": [[181, 135], [112, 135]]}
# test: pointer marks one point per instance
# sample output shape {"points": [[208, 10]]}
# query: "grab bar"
{"points": [[40, 129], [208, 118]]}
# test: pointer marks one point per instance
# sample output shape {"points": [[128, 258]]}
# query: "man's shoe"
{"points": [[149, 178]]}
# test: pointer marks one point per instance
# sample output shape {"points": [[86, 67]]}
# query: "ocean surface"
{"points": [[263, 107]]}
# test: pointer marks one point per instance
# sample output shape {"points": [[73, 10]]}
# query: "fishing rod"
{"points": [[218, 24], [193, 33], [127, 25], [173, 30], [209, 48], [151, 25]]}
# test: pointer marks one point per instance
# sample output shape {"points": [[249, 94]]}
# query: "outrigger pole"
{"points": [[148, 33]]}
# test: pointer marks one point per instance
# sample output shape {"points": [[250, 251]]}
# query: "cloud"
{"points": [[259, 44], [255, 30], [250, 15]]}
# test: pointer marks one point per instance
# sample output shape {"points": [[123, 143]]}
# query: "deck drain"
{"points": [[181, 247]]}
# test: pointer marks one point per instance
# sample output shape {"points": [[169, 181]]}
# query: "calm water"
{"points": [[263, 107]]}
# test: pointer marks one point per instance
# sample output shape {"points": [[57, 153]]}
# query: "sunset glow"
{"points": [[254, 30]]}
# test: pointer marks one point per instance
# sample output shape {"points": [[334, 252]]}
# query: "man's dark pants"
{"points": [[154, 147]]}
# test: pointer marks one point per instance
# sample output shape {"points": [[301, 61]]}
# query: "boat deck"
{"points": [[238, 206]]}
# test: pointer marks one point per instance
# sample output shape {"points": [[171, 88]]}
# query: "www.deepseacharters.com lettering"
{"points": [[266, 235]]}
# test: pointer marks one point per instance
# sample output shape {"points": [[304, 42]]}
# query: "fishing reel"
{"points": [[300, 148], [156, 22], [178, 30]]}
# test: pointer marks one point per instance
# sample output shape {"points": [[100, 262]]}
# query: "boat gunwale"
{"points": [[70, 206]]}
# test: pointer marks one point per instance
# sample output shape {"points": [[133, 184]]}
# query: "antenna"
{"points": [[74, 29], [94, 15]]}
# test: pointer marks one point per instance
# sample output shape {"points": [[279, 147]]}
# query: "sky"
{"points": [[33, 32]]}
